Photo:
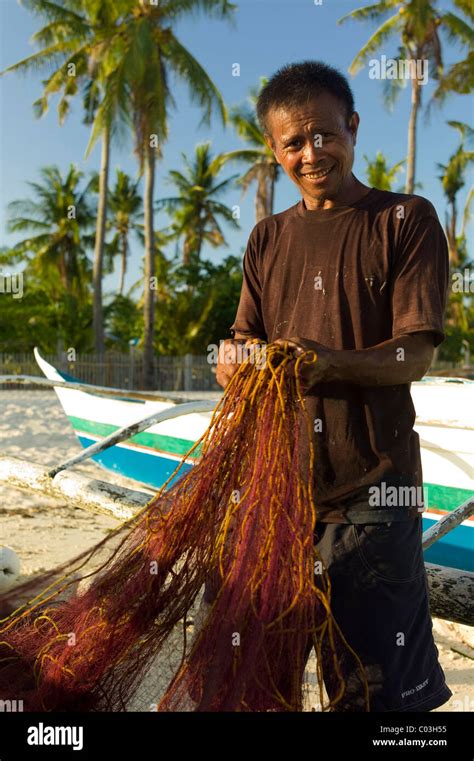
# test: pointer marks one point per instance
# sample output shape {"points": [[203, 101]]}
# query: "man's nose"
{"points": [[311, 151]]}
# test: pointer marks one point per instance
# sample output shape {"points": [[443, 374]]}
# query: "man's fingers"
{"points": [[227, 361], [290, 345], [225, 373], [232, 353]]}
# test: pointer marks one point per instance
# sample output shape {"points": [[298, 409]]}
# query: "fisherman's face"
{"points": [[313, 138]]}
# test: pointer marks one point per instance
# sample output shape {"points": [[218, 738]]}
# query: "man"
{"points": [[360, 276]]}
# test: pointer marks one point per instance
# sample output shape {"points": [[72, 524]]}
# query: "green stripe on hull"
{"points": [[155, 441], [441, 497], [445, 497]]}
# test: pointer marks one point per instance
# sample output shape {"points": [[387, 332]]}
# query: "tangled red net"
{"points": [[245, 512]]}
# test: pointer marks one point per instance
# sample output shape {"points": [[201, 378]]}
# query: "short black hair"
{"points": [[294, 83]]}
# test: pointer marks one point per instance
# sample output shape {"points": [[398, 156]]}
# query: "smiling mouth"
{"points": [[319, 175]]}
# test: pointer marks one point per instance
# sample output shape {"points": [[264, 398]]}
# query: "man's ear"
{"points": [[354, 125]]}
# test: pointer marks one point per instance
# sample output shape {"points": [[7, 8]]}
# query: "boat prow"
{"points": [[149, 457]]}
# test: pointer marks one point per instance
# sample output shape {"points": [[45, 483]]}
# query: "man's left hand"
{"points": [[314, 372]]}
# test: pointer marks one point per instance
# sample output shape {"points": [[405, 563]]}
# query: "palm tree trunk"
{"points": [[149, 291], [454, 254], [192, 244], [63, 274], [199, 239], [98, 320], [261, 197], [123, 269], [411, 159], [271, 188], [186, 251]]}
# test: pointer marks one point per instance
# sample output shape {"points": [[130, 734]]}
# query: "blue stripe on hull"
{"points": [[152, 470], [454, 550]]}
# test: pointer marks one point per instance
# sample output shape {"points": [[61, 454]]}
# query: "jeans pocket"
{"points": [[391, 551]]}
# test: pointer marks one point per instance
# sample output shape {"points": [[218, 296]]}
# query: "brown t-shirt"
{"points": [[350, 278]]}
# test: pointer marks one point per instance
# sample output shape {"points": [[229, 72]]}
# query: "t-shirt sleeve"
{"points": [[249, 319], [420, 277]]}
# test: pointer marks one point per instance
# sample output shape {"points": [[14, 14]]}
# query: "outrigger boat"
{"points": [[144, 435], [447, 447]]}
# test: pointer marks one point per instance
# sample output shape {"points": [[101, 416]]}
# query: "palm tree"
{"points": [[73, 40], [196, 212], [263, 166], [60, 218], [150, 52], [453, 179], [417, 23], [460, 76], [91, 99], [379, 174], [125, 206]]}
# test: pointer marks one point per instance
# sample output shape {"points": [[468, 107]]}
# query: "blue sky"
{"points": [[267, 34]]}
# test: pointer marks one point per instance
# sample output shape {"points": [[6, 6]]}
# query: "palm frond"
{"points": [[52, 11], [25, 223], [38, 60], [466, 7], [248, 129], [220, 9], [466, 217], [369, 11], [60, 31], [202, 89], [465, 130], [219, 208], [457, 30], [178, 179], [217, 189], [169, 204], [391, 89], [374, 43]]}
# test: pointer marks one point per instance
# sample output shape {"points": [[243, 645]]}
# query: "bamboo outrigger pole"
{"points": [[451, 590], [447, 523], [130, 430], [78, 490]]}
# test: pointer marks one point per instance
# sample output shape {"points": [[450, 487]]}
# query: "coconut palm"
{"points": [[196, 212], [147, 51], [264, 169], [73, 40], [453, 179], [417, 23], [61, 219], [125, 218], [459, 78], [379, 174]]}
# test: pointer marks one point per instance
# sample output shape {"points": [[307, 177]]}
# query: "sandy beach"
{"points": [[45, 532]]}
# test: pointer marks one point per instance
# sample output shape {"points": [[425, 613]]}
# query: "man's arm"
{"points": [[248, 323], [397, 361]]}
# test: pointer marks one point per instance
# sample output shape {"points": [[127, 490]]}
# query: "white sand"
{"points": [[45, 532]]}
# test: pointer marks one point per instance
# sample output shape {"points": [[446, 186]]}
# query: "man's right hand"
{"points": [[228, 360]]}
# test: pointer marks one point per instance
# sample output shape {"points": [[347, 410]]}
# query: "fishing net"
{"points": [[244, 517]]}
